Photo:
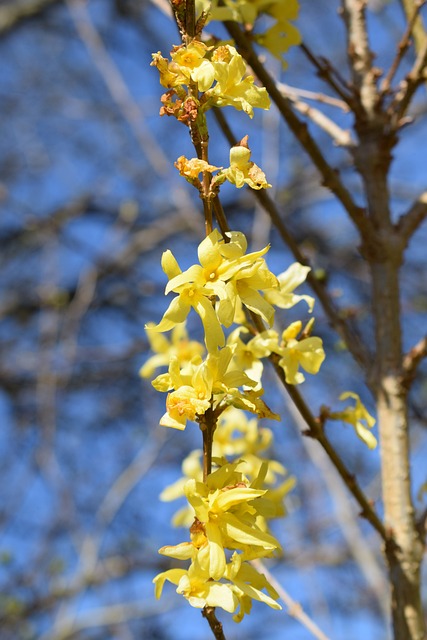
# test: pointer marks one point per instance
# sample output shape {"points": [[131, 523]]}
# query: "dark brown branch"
{"points": [[214, 623], [330, 75], [316, 431], [409, 86], [331, 178]]}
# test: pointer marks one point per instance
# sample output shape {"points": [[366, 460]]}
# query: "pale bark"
{"points": [[405, 550]]}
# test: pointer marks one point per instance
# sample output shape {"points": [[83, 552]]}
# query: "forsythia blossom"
{"points": [[227, 275], [219, 73], [244, 441], [233, 489], [278, 38], [226, 509], [359, 418], [242, 171]]}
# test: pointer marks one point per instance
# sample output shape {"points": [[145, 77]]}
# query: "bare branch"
{"points": [[327, 72], [317, 96], [412, 360], [341, 137], [359, 54], [331, 178], [408, 87], [402, 47], [214, 623], [410, 221]]}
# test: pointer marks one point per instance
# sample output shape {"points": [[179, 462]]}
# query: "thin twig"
{"points": [[316, 96], [329, 74], [409, 222], [412, 360], [402, 47], [341, 137], [331, 178], [408, 87], [214, 623], [295, 610]]}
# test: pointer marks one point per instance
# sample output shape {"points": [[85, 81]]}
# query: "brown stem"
{"points": [[207, 424], [316, 431], [402, 47], [214, 623], [330, 175]]}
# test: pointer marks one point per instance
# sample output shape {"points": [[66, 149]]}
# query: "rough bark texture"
{"points": [[404, 554], [384, 254], [405, 549]]}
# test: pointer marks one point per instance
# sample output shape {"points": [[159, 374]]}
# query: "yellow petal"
{"points": [[217, 562], [169, 264]]}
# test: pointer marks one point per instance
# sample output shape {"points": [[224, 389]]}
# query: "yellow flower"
{"points": [[196, 585], [192, 63], [191, 397], [180, 347], [248, 585], [225, 273], [307, 353], [231, 87], [227, 509], [277, 39], [192, 168], [284, 297], [242, 171], [359, 418], [170, 74], [193, 292]]}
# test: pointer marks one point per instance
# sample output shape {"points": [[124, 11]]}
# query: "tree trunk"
{"points": [[405, 550]]}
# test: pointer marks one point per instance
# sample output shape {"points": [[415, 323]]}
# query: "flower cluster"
{"points": [[242, 440], [278, 38], [232, 489], [227, 509], [199, 77]]}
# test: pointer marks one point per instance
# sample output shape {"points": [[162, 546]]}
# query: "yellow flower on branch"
{"points": [[242, 171], [243, 583], [180, 347], [232, 88], [284, 297], [226, 508], [192, 63], [306, 353], [359, 418], [191, 169], [226, 274]]}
